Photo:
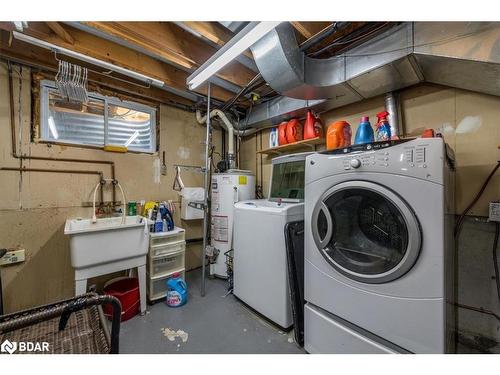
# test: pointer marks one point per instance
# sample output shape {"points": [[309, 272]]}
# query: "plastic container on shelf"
{"points": [[313, 126], [364, 134], [273, 138], [294, 131], [126, 289], [282, 133], [382, 129], [338, 135]]}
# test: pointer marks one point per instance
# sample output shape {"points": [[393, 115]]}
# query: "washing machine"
{"points": [[379, 248], [260, 264]]}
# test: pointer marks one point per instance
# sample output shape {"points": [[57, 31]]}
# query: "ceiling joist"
{"points": [[114, 53], [172, 44]]}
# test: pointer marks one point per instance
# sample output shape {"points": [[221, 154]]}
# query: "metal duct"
{"points": [[465, 55]]}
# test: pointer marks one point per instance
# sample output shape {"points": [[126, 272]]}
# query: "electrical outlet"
{"points": [[494, 214], [13, 256]]}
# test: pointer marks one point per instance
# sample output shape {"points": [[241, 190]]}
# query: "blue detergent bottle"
{"points": [[176, 291], [364, 134]]}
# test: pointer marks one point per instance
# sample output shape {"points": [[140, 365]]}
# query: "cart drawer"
{"points": [[163, 265], [163, 250], [166, 238]]}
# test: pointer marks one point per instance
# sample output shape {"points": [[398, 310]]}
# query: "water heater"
{"points": [[227, 189]]}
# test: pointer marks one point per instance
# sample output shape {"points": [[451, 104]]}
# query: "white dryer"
{"points": [[379, 248]]}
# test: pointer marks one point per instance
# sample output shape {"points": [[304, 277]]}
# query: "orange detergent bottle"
{"points": [[338, 135], [313, 126], [294, 131], [282, 133]]}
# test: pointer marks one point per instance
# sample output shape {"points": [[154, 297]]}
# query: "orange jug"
{"points": [[338, 135], [294, 131], [313, 127], [282, 133]]}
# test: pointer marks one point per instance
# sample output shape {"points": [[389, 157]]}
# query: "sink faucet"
{"points": [[124, 201]]}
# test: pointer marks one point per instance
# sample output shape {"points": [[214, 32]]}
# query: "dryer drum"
{"points": [[369, 233]]}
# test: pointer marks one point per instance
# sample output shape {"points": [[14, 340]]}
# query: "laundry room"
{"points": [[248, 187]]}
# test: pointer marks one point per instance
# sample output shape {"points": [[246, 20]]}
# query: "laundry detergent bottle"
{"points": [[364, 134], [338, 135], [313, 127], [176, 291], [383, 129]]}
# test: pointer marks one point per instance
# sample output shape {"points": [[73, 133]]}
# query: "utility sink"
{"points": [[107, 240]]}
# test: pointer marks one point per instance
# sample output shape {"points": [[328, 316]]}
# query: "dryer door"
{"points": [[366, 232]]}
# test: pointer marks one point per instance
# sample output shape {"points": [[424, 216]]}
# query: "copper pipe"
{"points": [[69, 171], [69, 160]]}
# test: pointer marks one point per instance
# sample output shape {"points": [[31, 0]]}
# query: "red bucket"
{"points": [[126, 289]]}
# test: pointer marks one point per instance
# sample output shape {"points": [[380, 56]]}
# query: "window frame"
{"points": [[47, 86]]}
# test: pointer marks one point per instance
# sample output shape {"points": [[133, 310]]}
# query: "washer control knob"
{"points": [[355, 163]]}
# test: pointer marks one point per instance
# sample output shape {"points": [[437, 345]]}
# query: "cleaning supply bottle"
{"points": [[364, 134], [313, 126], [176, 291], [338, 135], [294, 131], [282, 133], [158, 222], [383, 129]]}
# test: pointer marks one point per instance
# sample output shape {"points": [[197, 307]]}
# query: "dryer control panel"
{"points": [[420, 157]]}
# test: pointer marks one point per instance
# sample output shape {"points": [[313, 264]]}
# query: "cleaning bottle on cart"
{"points": [[158, 222], [383, 129], [176, 291], [364, 134]]}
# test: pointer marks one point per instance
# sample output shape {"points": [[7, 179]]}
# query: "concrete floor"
{"points": [[213, 324]]}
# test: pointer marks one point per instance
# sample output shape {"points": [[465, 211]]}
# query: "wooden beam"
{"points": [[101, 49], [214, 32], [171, 43], [308, 29], [61, 32], [28, 54]]}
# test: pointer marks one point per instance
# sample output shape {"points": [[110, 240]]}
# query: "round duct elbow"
{"points": [[291, 73]]}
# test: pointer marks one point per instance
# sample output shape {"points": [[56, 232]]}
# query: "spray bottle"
{"points": [[383, 130], [364, 134]]}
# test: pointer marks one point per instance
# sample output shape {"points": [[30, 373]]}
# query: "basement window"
{"points": [[103, 120]]}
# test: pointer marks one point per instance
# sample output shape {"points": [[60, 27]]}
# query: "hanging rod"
{"points": [[191, 167], [90, 60]]}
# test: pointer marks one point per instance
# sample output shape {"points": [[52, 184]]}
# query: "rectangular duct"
{"points": [[464, 55]]}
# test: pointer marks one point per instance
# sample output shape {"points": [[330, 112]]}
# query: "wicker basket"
{"points": [[73, 326]]}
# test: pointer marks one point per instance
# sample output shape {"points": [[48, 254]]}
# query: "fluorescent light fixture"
{"points": [[232, 49], [132, 138], [52, 128], [20, 25], [90, 60]]}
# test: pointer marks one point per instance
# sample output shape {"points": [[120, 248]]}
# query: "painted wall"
{"points": [[35, 206], [470, 124]]}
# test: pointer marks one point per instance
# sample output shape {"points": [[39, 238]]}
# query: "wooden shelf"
{"points": [[291, 147]]}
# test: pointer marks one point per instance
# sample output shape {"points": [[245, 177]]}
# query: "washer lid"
{"points": [[366, 232]]}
